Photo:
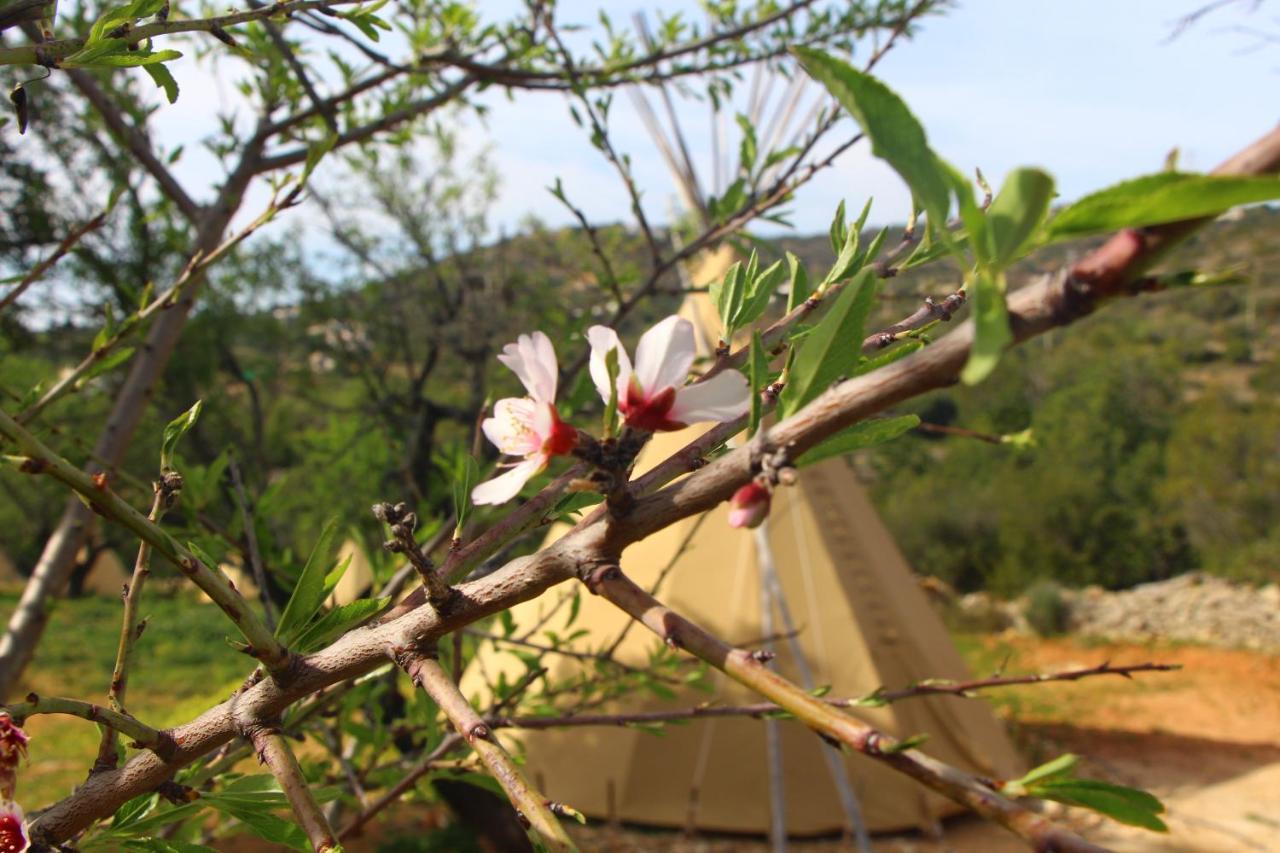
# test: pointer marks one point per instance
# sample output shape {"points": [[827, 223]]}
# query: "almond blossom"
{"points": [[526, 426], [653, 395]]}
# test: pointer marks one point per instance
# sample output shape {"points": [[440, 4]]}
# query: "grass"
{"points": [[182, 664]]}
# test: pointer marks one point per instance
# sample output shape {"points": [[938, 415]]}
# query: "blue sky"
{"points": [[1092, 91]]}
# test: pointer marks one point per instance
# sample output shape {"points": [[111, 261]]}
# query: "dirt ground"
{"points": [[1205, 739]]}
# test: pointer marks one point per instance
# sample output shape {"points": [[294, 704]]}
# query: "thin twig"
{"points": [[426, 672], [145, 737], [251, 538], [37, 272]]}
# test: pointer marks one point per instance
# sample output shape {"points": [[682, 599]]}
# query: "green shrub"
{"points": [[1047, 610]]}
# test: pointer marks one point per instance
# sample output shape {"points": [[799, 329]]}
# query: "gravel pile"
{"points": [[1194, 607]]}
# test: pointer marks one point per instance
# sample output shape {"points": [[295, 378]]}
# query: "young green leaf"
{"points": [[727, 296], [759, 377], [991, 334], [837, 230], [611, 409], [1063, 765], [1159, 198], [834, 346], [845, 260], [896, 136], [257, 815], [174, 431], [1017, 212], [113, 359], [859, 436], [308, 595], [870, 365], [1126, 805], [337, 622], [800, 288], [906, 744], [759, 290], [163, 79]]}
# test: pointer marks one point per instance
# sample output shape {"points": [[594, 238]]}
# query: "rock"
{"points": [[1194, 607]]}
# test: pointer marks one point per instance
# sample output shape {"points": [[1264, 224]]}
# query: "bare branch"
{"points": [[426, 672], [68, 243], [145, 737], [273, 751]]}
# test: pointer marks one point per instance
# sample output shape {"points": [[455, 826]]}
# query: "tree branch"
{"points": [[426, 672], [67, 244], [159, 742], [748, 669], [273, 751], [95, 491], [1053, 302]]}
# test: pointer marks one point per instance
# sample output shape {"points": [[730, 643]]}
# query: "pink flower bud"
{"points": [[13, 829], [749, 505]]}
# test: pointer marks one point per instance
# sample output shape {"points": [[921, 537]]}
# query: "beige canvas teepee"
{"points": [[824, 585]]}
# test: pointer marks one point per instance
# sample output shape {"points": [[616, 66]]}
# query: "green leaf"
{"points": [[1126, 805], [316, 153], [800, 288], [834, 346], [257, 816], [104, 365], [1017, 211], [859, 436], [727, 294], [337, 622], [896, 136], [836, 232], [334, 577], [174, 431], [132, 59], [1062, 765], [747, 148], [203, 556], [906, 744], [991, 334], [845, 260], [902, 350], [1160, 198], [611, 370], [758, 368], [759, 290], [142, 826], [308, 595]]}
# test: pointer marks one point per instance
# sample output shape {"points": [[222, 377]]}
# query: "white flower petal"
{"points": [[723, 397], [603, 339], [664, 355], [513, 427], [533, 359], [506, 486]]}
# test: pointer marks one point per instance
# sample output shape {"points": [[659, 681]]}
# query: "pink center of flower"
{"points": [[12, 837], [649, 413], [563, 437]]}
